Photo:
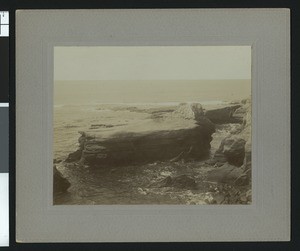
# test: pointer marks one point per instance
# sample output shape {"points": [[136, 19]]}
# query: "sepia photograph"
{"points": [[152, 125]]}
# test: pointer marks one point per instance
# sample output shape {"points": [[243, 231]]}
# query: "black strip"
{"points": [[3, 140], [141, 4], [4, 69]]}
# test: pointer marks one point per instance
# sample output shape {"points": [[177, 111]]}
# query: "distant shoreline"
{"points": [[211, 102]]}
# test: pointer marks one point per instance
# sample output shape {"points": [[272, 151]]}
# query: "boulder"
{"points": [[192, 111], [222, 115], [60, 184], [228, 174], [231, 150]]}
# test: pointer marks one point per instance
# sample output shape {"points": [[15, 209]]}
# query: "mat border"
{"points": [[33, 79]]}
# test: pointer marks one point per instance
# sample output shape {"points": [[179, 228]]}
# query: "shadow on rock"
{"points": [[60, 184]]}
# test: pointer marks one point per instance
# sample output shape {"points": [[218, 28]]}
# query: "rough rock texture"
{"points": [[247, 159], [231, 150], [228, 174], [222, 115], [75, 156], [60, 184], [181, 181], [185, 130], [246, 134], [189, 111], [239, 114], [235, 152], [236, 148]]}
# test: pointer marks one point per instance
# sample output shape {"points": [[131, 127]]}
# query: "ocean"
{"points": [[95, 92]]}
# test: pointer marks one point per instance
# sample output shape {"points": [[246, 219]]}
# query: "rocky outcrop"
{"points": [[228, 174], [231, 150], [185, 130], [75, 156], [247, 159], [222, 115], [60, 184], [192, 111], [239, 114], [235, 151], [246, 135]]}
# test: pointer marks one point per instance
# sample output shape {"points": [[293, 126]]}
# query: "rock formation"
{"points": [[165, 154], [192, 111], [75, 156], [228, 174], [234, 151], [60, 184], [185, 130], [223, 115], [231, 150], [239, 114]]}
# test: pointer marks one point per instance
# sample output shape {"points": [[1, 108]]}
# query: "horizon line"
{"points": [[93, 80]]}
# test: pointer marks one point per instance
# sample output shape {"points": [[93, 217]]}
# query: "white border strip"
{"points": [[4, 225], [4, 104], [4, 23]]}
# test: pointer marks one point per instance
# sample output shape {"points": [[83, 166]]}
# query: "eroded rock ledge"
{"points": [[233, 156], [183, 132], [225, 114]]}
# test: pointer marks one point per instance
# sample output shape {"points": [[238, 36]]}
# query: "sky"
{"points": [[152, 62]]}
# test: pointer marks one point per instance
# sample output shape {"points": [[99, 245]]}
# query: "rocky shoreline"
{"points": [[166, 158]]}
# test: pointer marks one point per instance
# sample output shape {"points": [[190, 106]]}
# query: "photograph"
{"points": [[152, 126], [156, 125]]}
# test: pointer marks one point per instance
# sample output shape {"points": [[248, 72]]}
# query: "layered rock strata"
{"points": [[185, 131]]}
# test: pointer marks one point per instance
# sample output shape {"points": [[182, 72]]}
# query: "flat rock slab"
{"points": [[144, 127], [147, 141]]}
